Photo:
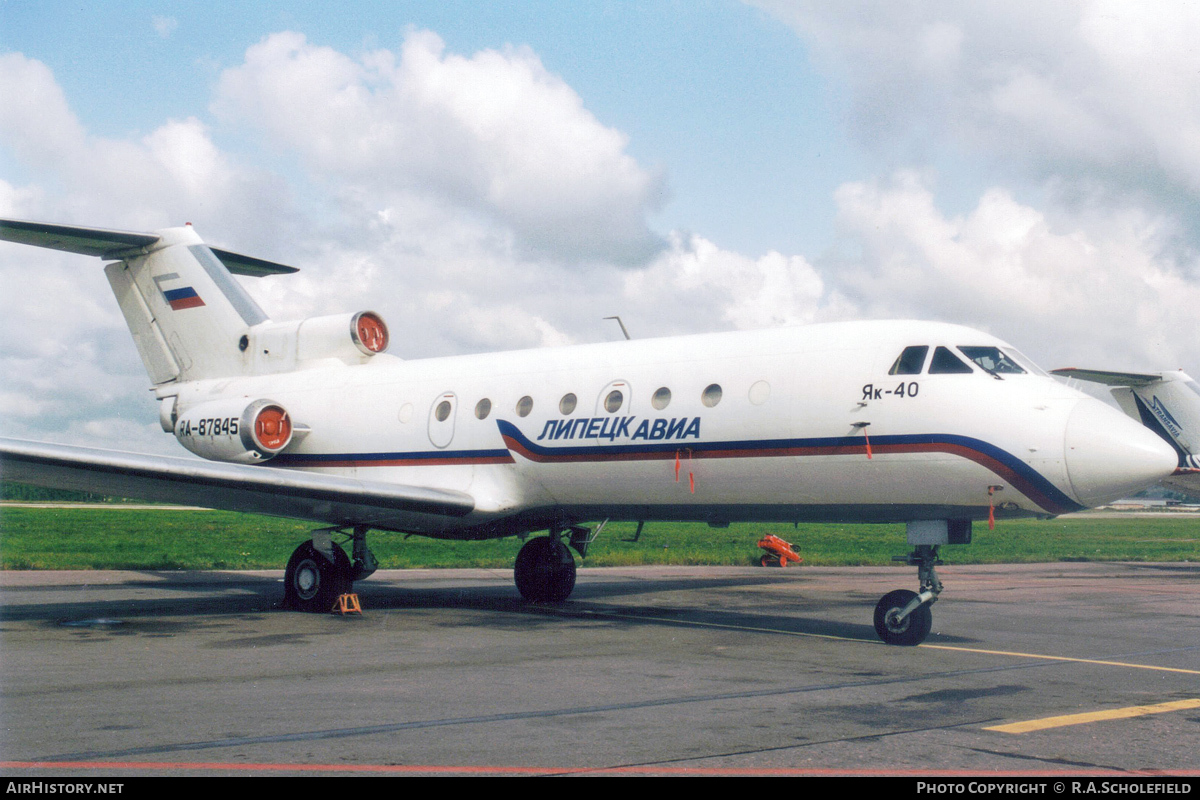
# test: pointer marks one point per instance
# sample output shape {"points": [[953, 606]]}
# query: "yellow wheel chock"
{"points": [[346, 604]]}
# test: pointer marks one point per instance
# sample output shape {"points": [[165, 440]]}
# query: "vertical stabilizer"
{"points": [[186, 311]]}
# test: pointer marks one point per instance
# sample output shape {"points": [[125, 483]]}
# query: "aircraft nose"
{"points": [[1110, 456]]}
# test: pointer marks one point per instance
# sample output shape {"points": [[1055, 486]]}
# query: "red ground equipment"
{"points": [[778, 551]]}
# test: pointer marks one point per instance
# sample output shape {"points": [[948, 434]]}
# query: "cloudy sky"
{"points": [[504, 175]]}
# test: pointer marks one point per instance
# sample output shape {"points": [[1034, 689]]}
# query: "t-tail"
{"points": [[189, 316]]}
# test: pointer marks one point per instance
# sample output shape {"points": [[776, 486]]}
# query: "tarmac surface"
{"points": [[648, 670]]}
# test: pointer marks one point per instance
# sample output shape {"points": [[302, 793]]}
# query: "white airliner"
{"points": [[930, 424]]}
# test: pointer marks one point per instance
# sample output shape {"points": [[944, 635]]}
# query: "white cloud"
{"points": [[1112, 295], [1092, 108], [494, 133], [35, 120], [173, 175], [1099, 89], [697, 286]]}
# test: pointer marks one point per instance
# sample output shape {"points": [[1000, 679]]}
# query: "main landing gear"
{"points": [[319, 570], [545, 568]]}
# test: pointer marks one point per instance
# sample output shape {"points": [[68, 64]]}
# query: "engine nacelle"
{"points": [[350, 338], [245, 432], [334, 336]]}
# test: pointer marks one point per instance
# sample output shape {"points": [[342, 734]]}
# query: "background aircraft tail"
{"points": [[1166, 402]]}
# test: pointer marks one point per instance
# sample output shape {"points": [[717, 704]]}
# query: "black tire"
{"points": [[311, 583], [913, 630], [545, 570]]}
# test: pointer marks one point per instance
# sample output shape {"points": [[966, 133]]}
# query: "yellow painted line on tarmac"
{"points": [[1094, 716], [1125, 664]]}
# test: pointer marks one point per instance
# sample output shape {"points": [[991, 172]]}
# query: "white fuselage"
{"points": [[808, 425]]}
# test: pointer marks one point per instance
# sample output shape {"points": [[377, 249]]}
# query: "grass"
{"points": [[116, 538]]}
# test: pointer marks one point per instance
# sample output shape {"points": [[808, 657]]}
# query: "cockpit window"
{"points": [[946, 363], [910, 361], [992, 360]]}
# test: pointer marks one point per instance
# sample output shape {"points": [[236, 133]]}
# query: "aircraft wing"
{"points": [[105, 243], [329, 499], [1108, 378]]}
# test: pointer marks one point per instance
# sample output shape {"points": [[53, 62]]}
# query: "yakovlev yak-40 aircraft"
{"points": [[929, 424]]}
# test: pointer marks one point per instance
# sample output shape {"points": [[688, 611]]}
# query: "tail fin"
{"points": [[187, 313], [184, 308]]}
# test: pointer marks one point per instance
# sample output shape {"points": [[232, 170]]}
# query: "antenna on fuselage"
{"points": [[622, 324]]}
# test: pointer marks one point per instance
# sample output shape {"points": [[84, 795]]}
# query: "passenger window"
{"points": [[910, 361], [567, 404], [992, 360], [524, 406], [483, 408], [711, 395], [613, 402], [946, 363], [760, 392], [661, 398]]}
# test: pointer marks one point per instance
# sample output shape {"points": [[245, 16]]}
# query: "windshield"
{"points": [[1026, 362], [946, 363], [992, 360], [910, 361]]}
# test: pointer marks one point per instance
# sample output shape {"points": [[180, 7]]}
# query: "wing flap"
{"points": [[329, 499]]}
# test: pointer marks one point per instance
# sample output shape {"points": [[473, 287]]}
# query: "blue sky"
{"points": [[501, 175], [718, 93]]}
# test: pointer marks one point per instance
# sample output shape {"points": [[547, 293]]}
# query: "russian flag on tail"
{"points": [[183, 298]]}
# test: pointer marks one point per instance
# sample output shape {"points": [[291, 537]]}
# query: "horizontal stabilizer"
{"points": [[73, 239], [1108, 378], [110, 244], [239, 264], [329, 499]]}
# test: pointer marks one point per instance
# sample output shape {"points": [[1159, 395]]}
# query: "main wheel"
{"points": [[312, 583], [545, 570], [910, 631]]}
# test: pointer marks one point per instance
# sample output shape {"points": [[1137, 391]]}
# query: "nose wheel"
{"points": [[903, 617], [897, 623]]}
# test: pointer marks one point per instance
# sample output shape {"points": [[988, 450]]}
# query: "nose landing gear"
{"points": [[903, 617]]}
